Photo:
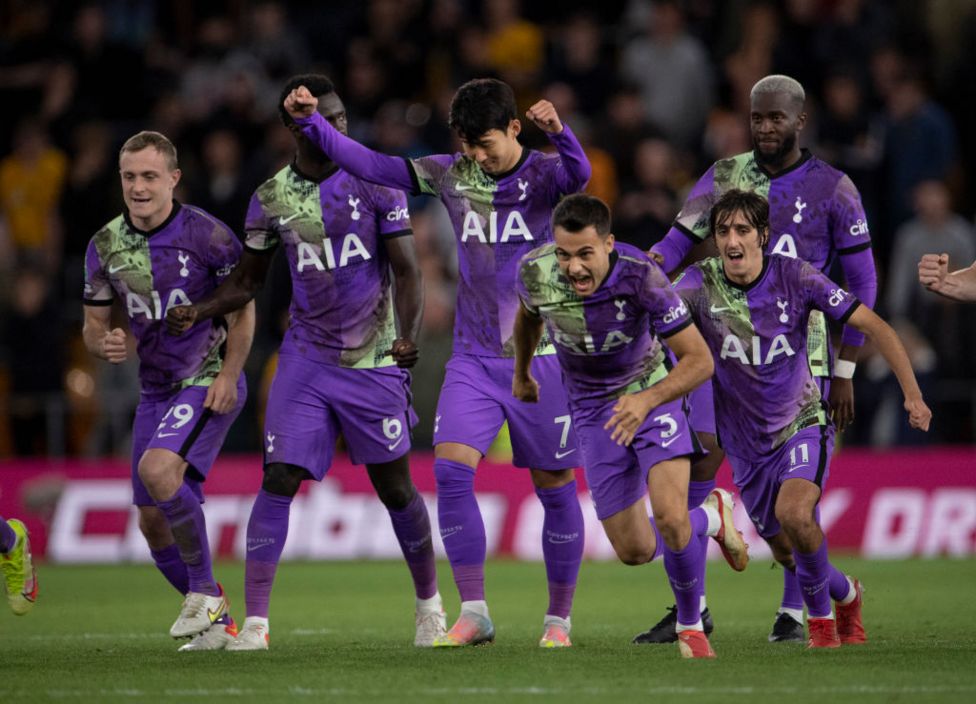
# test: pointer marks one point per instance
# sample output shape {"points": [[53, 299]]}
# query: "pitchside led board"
{"points": [[878, 504]]}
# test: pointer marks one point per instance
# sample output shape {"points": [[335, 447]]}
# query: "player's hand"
{"points": [[404, 352], [656, 256], [300, 103], [221, 395], [932, 271], [525, 388], [919, 415], [179, 319], [629, 413], [544, 115], [114, 347], [841, 400]]}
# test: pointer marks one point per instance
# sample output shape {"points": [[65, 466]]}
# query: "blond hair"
{"points": [[156, 140]]}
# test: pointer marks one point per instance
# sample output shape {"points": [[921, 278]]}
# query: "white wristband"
{"points": [[844, 369]]}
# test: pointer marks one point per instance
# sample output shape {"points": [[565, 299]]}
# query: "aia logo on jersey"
{"points": [[514, 227], [585, 344], [732, 348], [152, 307], [310, 255]]}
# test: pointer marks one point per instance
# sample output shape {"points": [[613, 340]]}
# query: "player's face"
{"points": [[584, 257], [776, 121], [496, 151], [332, 109], [147, 186], [741, 247]]}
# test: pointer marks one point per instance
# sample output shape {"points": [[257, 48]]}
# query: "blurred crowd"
{"points": [[656, 90]]}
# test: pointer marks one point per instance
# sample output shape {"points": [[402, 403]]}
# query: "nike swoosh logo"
{"points": [[715, 309], [461, 187], [252, 548], [560, 455], [166, 435], [391, 447], [116, 269], [214, 615], [285, 221], [666, 443], [793, 469]]}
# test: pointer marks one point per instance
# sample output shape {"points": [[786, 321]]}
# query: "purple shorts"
{"points": [[476, 399], [806, 455], [182, 425], [702, 413], [617, 475], [311, 403]]}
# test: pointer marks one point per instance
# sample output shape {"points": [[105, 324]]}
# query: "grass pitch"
{"points": [[343, 632]]}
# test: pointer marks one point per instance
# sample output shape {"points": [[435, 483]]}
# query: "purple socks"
{"points": [[697, 493], [792, 595], [813, 573], [683, 568], [562, 545], [412, 527], [169, 562], [185, 516], [267, 529], [461, 526], [7, 536]]}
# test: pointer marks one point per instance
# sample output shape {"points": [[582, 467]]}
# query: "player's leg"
{"points": [[175, 462], [544, 439], [411, 524], [704, 467], [300, 431], [803, 464], [467, 419], [788, 626], [152, 521], [19, 576]]}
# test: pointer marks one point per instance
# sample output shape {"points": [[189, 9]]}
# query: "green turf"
{"points": [[342, 632]]}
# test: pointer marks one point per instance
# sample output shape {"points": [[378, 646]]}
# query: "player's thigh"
{"points": [[374, 413], [614, 475], [300, 428], [543, 434], [209, 430], [469, 409]]}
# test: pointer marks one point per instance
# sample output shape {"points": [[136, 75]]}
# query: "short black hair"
{"points": [[577, 212], [317, 84], [481, 105], [753, 206]]}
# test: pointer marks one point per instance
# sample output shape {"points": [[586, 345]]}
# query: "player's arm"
{"points": [[233, 293], [694, 366], [681, 238], [409, 298], [222, 394], [102, 341], [349, 154], [933, 274], [575, 170], [887, 342], [862, 280], [526, 336]]}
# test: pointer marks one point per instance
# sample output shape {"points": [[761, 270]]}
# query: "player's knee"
{"points": [[152, 474], [453, 479], [283, 479], [795, 518], [673, 526], [396, 495], [634, 554]]}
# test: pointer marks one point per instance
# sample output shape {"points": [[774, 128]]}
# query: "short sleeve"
{"points": [[528, 282], [848, 221], [689, 287], [693, 218], [392, 215], [224, 251], [260, 231], [668, 312], [825, 295], [98, 290]]}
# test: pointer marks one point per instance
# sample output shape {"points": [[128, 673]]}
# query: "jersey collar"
{"points": [[518, 165], [302, 175], [748, 287], [161, 226], [805, 156]]}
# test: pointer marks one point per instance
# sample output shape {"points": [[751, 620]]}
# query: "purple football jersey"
{"points": [[179, 262], [608, 343], [764, 389], [341, 307]]}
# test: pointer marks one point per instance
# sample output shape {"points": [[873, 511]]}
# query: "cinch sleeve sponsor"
{"points": [[823, 294], [669, 313], [392, 215]]}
